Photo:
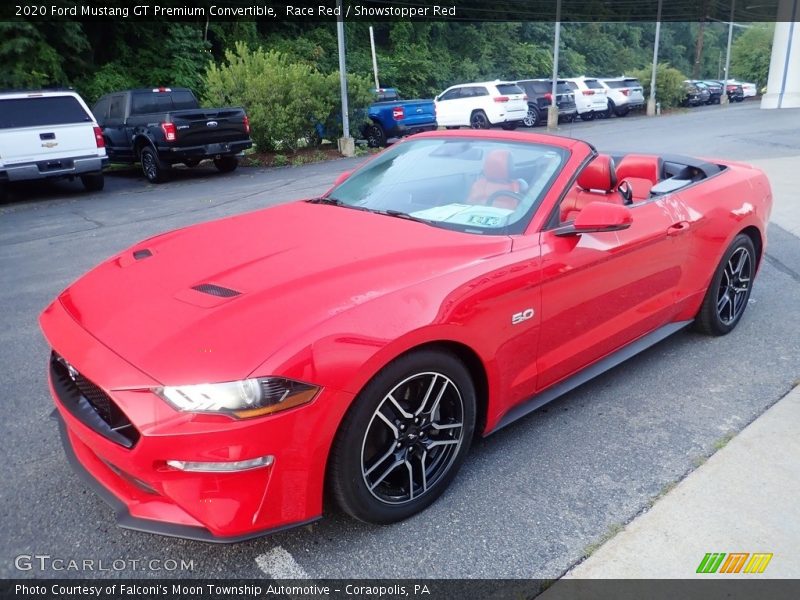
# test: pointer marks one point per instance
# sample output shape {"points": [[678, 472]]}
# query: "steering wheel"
{"points": [[518, 198]]}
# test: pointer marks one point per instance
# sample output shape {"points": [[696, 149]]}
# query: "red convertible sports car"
{"points": [[219, 381]]}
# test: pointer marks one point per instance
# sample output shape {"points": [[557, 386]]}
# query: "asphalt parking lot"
{"points": [[530, 500]]}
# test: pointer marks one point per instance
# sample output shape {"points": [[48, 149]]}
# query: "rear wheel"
{"points": [[533, 117], [93, 182], [226, 164], [727, 296], [376, 136], [404, 438], [479, 120], [154, 170]]}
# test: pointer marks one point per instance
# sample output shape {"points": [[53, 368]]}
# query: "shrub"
{"points": [[669, 84], [283, 99]]}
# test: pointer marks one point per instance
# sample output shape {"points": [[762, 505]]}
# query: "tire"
{"points": [[587, 116], [727, 295], [619, 111], [153, 168], [376, 136], [93, 182], [226, 164], [533, 118], [382, 428], [479, 120]]}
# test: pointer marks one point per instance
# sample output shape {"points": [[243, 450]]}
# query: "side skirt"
{"points": [[590, 372]]}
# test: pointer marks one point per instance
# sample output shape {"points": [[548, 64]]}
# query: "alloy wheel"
{"points": [[413, 438], [734, 286], [479, 121]]}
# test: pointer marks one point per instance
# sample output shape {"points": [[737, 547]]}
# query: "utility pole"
{"points": [[374, 58], [346, 143], [651, 101], [724, 98], [552, 110]]}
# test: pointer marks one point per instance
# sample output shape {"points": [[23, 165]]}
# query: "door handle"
{"points": [[678, 228]]}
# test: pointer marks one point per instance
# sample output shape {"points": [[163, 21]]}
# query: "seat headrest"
{"points": [[498, 166], [599, 174], [640, 166]]}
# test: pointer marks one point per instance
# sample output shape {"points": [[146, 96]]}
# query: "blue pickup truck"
{"points": [[392, 117]]}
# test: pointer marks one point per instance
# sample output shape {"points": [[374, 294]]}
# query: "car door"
{"points": [[446, 107], [117, 138], [602, 291]]}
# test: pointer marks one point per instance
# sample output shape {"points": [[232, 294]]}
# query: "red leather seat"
{"points": [[641, 172], [597, 181], [498, 168]]}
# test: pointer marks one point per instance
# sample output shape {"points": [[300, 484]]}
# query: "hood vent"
{"points": [[215, 290], [142, 254]]}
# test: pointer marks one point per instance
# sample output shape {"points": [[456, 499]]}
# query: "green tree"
{"points": [[751, 53]]}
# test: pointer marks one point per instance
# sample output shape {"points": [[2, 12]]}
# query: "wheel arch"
{"points": [[754, 234], [139, 142]]}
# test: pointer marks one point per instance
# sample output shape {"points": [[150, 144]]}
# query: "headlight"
{"points": [[243, 399]]}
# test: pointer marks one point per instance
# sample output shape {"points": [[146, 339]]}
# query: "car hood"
{"points": [[211, 302]]}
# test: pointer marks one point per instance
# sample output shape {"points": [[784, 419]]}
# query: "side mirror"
{"points": [[342, 177], [598, 217]]}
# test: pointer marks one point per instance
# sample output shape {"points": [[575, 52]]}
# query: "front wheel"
{"points": [[479, 120], [404, 438], [376, 136], [226, 164], [93, 182], [727, 296]]}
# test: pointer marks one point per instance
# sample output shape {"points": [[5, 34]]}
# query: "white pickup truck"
{"points": [[49, 134]]}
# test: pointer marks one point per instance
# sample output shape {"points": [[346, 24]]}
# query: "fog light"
{"points": [[221, 467]]}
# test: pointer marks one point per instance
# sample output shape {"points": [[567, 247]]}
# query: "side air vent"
{"points": [[215, 290], [142, 254]]}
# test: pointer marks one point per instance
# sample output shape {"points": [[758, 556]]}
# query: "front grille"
{"points": [[90, 404]]}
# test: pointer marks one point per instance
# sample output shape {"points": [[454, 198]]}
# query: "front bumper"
{"points": [[148, 495], [46, 169]]}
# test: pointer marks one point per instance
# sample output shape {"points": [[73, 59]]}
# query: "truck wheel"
{"points": [[93, 182], [376, 136], [532, 118], [226, 164], [152, 167]]}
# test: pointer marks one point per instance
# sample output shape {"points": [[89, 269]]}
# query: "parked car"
{"points": [[540, 96], [160, 127], [734, 91], [392, 116], [590, 97], [694, 95], [748, 89], [49, 134], [481, 105], [226, 379], [714, 89], [624, 94]]}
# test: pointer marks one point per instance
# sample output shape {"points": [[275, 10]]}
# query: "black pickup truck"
{"points": [[160, 127]]}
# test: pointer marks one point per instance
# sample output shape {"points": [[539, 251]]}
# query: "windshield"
{"points": [[474, 186]]}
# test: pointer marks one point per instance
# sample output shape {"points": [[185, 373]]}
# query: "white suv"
{"points": [[624, 94], [49, 134], [481, 105], [590, 97]]}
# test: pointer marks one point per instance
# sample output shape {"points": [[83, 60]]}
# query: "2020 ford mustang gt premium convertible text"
{"points": [[216, 382]]}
